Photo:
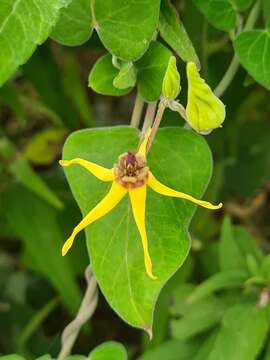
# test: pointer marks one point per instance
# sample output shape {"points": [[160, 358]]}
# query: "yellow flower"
{"points": [[204, 111], [129, 176]]}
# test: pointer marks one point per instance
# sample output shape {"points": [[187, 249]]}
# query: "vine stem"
{"points": [[137, 111], [86, 310], [149, 116], [157, 121], [234, 65]]}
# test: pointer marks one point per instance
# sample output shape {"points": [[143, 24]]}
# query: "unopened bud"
{"points": [[171, 83], [205, 111]]}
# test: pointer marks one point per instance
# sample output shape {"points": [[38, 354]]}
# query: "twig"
{"points": [[86, 310], [149, 116], [158, 118], [234, 65], [137, 111]]}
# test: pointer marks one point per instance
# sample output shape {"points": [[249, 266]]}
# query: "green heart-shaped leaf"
{"points": [[126, 27], [253, 50], [180, 159]]}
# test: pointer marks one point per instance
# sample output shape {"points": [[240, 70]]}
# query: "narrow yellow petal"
{"points": [[113, 197], [143, 147], [138, 200], [98, 171], [165, 190]]}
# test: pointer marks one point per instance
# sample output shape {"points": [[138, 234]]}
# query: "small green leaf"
{"points": [[230, 256], [113, 242], [126, 77], [170, 350], [36, 224], [24, 24], [126, 27], [198, 317], [242, 334], [206, 347], [265, 268], [266, 12], [24, 174], [220, 13], [151, 71], [253, 51], [44, 147], [74, 25], [242, 4], [173, 32], [11, 357], [10, 96], [102, 76], [109, 350], [219, 281]]}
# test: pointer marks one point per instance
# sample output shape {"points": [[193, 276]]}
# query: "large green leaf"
{"points": [[74, 25], [109, 350], [126, 27], [173, 32], [24, 24], [243, 331], [151, 71], [253, 50], [220, 13], [180, 159]]}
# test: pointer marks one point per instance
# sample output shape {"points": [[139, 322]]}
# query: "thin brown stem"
{"points": [[157, 121], [137, 111], [149, 116]]}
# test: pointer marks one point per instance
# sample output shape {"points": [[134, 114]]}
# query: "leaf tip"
{"points": [[149, 330]]}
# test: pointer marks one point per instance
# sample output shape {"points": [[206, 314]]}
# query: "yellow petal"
{"points": [[138, 200], [205, 111], [113, 197], [98, 171], [165, 190], [143, 147]]}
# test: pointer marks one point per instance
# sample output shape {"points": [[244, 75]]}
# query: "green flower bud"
{"points": [[171, 82], [205, 111]]}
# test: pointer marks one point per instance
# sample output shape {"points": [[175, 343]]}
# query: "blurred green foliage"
{"points": [[217, 305]]}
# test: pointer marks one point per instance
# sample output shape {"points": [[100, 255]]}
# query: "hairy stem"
{"points": [[234, 65], [86, 310], [137, 111], [157, 121], [149, 116]]}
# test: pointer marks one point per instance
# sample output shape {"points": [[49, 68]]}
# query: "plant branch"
{"points": [[137, 111], [87, 308], [157, 121], [234, 65], [149, 116]]}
